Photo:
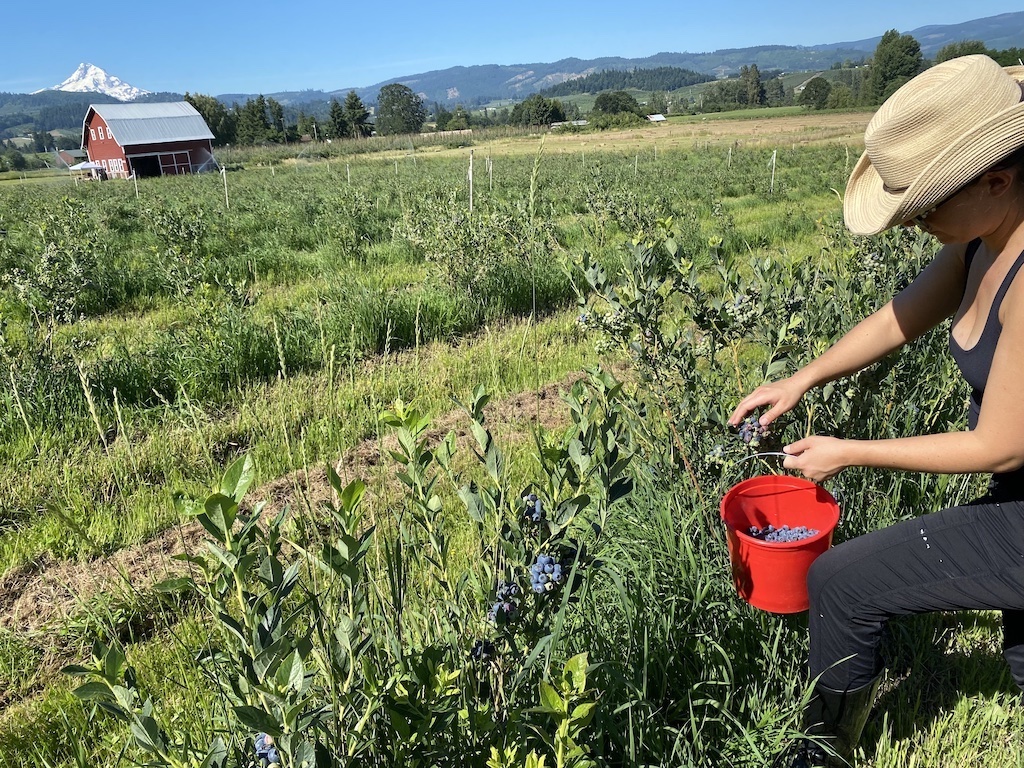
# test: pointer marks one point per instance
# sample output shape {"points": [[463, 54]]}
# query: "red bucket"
{"points": [[772, 576]]}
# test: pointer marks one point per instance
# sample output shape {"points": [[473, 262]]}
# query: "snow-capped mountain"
{"points": [[89, 78]]}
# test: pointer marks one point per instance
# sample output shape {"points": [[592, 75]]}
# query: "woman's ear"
{"points": [[999, 181]]}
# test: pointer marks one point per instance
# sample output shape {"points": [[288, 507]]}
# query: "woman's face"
{"points": [[974, 210]]}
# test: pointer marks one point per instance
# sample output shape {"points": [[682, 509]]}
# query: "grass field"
{"points": [[341, 309]]}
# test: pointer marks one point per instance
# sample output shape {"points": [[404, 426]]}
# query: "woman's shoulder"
{"points": [[958, 253]]}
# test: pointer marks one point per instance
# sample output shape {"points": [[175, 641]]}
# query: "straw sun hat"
{"points": [[938, 132]]}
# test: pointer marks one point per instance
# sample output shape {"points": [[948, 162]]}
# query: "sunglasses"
{"points": [[921, 219]]}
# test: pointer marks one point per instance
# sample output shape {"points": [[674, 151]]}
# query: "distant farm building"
{"points": [[71, 156], [657, 118], [160, 139]]}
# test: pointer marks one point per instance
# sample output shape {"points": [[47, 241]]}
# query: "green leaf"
{"points": [[582, 715], [483, 438], [216, 755], [219, 517], [77, 670], [292, 673], [578, 454], [550, 700], [775, 368], [576, 673], [93, 692], [258, 720], [352, 495], [304, 755], [238, 478], [474, 504], [113, 664], [146, 733]]}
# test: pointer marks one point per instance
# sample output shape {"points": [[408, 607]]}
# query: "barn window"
{"points": [[92, 134], [100, 132], [110, 134]]}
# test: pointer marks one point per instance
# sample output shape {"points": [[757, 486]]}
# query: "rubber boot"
{"points": [[836, 719]]}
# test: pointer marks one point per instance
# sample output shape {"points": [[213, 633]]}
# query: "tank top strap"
{"points": [[1007, 281], [972, 248]]}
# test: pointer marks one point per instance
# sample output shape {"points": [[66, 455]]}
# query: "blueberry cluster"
{"points": [[266, 751], [533, 508], [783, 534], [504, 610], [873, 266], [752, 432], [546, 574], [482, 650], [716, 455], [742, 309]]}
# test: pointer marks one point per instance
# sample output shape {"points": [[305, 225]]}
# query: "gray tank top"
{"points": [[975, 363]]}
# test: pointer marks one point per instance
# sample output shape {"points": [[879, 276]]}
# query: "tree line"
{"points": [[897, 59], [263, 120], [655, 79]]}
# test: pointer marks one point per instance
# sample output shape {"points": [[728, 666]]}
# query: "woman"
{"points": [[945, 153]]}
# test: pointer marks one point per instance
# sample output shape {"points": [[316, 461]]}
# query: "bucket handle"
{"points": [[762, 454]]}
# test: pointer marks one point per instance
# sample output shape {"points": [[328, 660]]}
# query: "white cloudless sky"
{"points": [[270, 46]]}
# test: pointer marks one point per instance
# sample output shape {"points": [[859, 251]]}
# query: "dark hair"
{"points": [[1014, 160]]}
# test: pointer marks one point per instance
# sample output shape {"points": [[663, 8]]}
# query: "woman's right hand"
{"points": [[781, 395]]}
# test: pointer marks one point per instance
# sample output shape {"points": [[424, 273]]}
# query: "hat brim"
{"points": [[869, 207]]}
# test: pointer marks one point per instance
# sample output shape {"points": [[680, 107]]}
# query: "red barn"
{"points": [[158, 139]]}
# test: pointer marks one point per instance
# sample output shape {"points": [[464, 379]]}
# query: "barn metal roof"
{"points": [[153, 123]]}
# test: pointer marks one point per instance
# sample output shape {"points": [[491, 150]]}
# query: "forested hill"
{"points": [[49, 110], [474, 85], [657, 79]]}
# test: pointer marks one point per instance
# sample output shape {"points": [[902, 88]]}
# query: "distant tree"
{"points": [[399, 110], [657, 104], [337, 125], [614, 102], [536, 110], [1009, 57], [357, 116], [278, 129], [840, 97], [441, 116], [722, 95], [15, 160], [218, 119], [815, 93], [775, 92], [958, 49], [897, 59], [657, 79], [305, 125], [459, 120], [252, 124], [755, 93]]}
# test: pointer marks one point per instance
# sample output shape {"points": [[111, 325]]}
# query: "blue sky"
{"points": [[265, 47]]}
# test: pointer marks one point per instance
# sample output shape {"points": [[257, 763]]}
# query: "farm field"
{"points": [[269, 440]]}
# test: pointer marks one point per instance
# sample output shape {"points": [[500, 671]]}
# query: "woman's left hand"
{"points": [[817, 458]]}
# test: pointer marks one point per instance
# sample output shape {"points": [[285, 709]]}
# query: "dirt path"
{"points": [[45, 594]]}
